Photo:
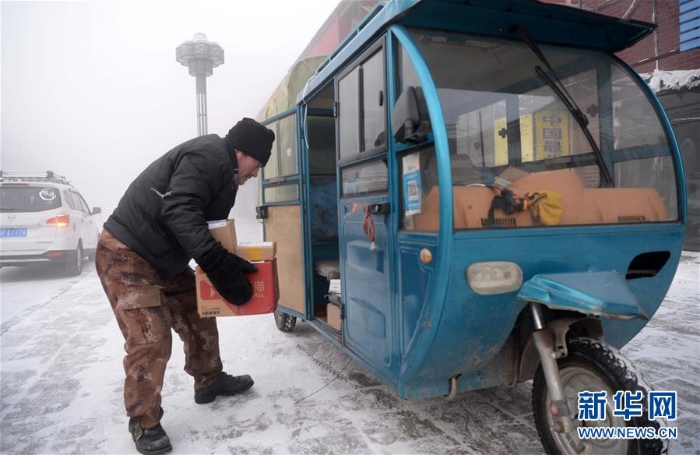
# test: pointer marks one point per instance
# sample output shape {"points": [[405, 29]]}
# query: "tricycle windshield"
{"points": [[573, 115]]}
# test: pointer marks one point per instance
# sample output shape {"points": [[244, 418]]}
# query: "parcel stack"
{"points": [[264, 281]]}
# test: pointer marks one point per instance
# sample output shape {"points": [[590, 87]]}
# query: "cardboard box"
{"points": [[224, 231], [265, 294], [256, 251], [333, 316]]}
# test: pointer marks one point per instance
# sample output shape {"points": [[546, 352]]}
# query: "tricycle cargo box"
{"points": [[333, 315]]}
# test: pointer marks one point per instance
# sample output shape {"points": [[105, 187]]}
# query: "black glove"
{"points": [[226, 272]]}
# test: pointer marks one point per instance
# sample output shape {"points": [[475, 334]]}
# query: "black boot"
{"points": [[151, 441], [224, 384]]}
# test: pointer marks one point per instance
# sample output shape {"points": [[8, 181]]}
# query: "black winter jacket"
{"points": [[163, 214]]}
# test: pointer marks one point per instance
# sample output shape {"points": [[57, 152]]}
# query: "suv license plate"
{"points": [[9, 232]]}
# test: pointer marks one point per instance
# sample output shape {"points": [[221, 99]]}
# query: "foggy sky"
{"points": [[92, 91]]}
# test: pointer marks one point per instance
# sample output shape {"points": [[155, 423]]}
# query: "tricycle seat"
{"points": [[328, 268]]}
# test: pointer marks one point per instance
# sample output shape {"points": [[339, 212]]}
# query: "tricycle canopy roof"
{"points": [[545, 23]]}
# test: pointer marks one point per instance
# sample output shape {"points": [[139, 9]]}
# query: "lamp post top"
{"points": [[199, 36], [200, 55]]}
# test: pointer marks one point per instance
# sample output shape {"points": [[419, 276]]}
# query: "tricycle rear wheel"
{"points": [[284, 321], [592, 366]]}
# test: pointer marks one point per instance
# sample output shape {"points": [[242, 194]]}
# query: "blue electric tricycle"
{"points": [[477, 193]]}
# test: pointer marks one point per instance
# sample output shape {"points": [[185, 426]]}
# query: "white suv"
{"points": [[44, 219]]}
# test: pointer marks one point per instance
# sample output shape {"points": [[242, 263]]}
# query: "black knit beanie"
{"points": [[252, 138]]}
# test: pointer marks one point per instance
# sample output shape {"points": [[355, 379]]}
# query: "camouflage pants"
{"points": [[147, 307]]}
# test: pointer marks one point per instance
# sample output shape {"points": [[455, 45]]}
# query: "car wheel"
{"points": [[75, 267]]}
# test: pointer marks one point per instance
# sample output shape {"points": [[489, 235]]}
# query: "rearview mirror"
{"points": [[408, 116], [96, 210]]}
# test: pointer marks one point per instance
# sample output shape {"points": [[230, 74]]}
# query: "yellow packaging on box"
{"points": [[256, 251]]}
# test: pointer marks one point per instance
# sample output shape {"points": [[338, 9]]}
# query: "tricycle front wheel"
{"points": [[592, 366]]}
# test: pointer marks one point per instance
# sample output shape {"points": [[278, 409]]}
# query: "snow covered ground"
{"points": [[61, 383]]}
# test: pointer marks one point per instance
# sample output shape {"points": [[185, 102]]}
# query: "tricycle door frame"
{"points": [[420, 307], [282, 196], [366, 215]]}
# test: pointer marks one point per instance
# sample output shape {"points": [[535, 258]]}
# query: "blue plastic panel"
{"points": [[597, 293]]}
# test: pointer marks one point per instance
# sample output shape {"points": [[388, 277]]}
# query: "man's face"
{"points": [[247, 168]]}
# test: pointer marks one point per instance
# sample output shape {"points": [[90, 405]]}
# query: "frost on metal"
{"points": [[661, 81]]}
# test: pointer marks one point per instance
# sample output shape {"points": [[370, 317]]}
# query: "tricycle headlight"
{"points": [[489, 278]]}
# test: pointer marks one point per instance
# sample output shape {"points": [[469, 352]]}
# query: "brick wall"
{"points": [[661, 49]]}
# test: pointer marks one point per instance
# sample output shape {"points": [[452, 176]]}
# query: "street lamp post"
{"points": [[201, 57]]}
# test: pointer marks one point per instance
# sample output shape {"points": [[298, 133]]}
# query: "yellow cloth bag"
{"points": [[545, 207]]}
